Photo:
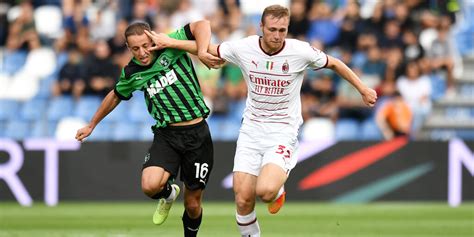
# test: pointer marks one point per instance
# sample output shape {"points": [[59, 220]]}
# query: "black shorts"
{"points": [[187, 147]]}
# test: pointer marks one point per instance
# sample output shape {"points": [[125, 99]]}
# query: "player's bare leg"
{"points": [[270, 186], [244, 190], [155, 185], [192, 215]]}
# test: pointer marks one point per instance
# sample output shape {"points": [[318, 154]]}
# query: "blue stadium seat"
{"points": [[119, 114], [467, 134], [17, 129], [45, 85], [3, 125], [230, 130], [442, 134], [347, 129], [43, 129], [467, 91], [438, 86], [236, 110], [125, 131], [103, 132], [215, 122], [86, 107], [9, 109], [13, 61], [138, 111], [60, 107], [223, 128], [145, 133], [34, 110], [370, 131]]}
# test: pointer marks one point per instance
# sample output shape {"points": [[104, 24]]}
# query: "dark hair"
{"points": [[136, 28], [275, 11]]}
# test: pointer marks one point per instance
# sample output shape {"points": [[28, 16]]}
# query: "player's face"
{"points": [[139, 45], [274, 31]]}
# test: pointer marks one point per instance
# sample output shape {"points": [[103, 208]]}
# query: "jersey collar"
{"points": [[273, 54]]}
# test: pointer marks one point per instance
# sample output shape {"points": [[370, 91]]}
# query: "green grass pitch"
{"points": [[122, 219]]}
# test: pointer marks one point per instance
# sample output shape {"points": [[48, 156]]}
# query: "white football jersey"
{"points": [[273, 81]]}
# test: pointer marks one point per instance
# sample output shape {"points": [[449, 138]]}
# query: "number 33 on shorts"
{"points": [[285, 152]]}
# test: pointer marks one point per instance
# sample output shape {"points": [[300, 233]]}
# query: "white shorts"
{"points": [[255, 150]]}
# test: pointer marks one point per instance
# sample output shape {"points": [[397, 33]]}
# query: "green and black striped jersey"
{"points": [[170, 85]]}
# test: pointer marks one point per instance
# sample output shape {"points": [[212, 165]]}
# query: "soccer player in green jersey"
{"points": [[174, 99]]}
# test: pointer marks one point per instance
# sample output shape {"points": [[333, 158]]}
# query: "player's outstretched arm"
{"points": [[108, 104], [369, 95], [201, 31], [163, 41]]}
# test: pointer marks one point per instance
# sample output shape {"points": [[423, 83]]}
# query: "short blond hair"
{"points": [[276, 11]]}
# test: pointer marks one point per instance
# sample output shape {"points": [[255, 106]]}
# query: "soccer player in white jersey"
{"points": [[273, 67]]}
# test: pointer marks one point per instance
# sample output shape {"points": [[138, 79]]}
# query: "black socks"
{"points": [[191, 226], [164, 193]]}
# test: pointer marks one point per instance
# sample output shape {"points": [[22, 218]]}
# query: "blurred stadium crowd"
{"points": [[60, 57]]}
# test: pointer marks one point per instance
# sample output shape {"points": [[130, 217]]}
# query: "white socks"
{"points": [[172, 195], [248, 225], [280, 192]]}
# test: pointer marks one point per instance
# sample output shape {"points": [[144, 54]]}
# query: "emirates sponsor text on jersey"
{"points": [[268, 86]]}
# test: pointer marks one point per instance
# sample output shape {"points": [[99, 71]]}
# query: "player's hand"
{"points": [[369, 96], [160, 40], [83, 133], [210, 60]]}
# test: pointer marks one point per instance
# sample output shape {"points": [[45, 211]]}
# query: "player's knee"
{"points": [[266, 194], [151, 189], [243, 203], [193, 208]]}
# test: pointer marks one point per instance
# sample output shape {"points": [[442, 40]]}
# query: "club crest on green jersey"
{"points": [[164, 61]]}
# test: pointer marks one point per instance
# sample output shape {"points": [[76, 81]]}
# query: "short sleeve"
{"points": [[227, 51], [123, 88], [317, 59], [183, 33]]}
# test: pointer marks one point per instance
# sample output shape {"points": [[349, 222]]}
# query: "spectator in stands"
{"points": [[350, 103], [118, 49], [415, 89], [324, 26], [184, 14], [351, 26], [69, 75], [141, 12], [103, 21], [442, 53], [402, 16], [374, 68], [412, 49], [374, 24], [22, 33], [319, 97], [365, 41], [4, 24], [393, 116], [394, 64], [299, 23], [76, 25], [391, 35], [99, 72]]}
